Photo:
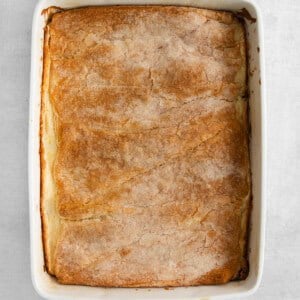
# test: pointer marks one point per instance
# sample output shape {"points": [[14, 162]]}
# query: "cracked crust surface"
{"points": [[144, 147]]}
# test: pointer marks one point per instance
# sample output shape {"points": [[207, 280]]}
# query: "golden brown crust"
{"points": [[145, 168]]}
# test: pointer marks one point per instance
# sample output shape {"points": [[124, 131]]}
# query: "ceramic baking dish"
{"points": [[45, 284]]}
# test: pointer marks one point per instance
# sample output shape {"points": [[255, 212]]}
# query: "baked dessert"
{"points": [[145, 177]]}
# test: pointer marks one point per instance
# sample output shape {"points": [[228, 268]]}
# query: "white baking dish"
{"points": [[46, 285]]}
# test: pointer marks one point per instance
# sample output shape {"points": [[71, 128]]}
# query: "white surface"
{"points": [[49, 288], [282, 45]]}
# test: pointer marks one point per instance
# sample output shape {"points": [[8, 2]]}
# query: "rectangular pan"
{"points": [[46, 285]]}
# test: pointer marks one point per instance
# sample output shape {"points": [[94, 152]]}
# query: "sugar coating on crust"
{"points": [[145, 167]]}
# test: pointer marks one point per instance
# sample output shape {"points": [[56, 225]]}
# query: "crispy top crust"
{"points": [[149, 172]]}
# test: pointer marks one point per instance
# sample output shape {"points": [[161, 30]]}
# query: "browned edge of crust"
{"points": [[42, 151], [243, 273], [49, 12], [218, 276], [244, 14]]}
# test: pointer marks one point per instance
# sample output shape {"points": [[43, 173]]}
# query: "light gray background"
{"points": [[282, 50]]}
